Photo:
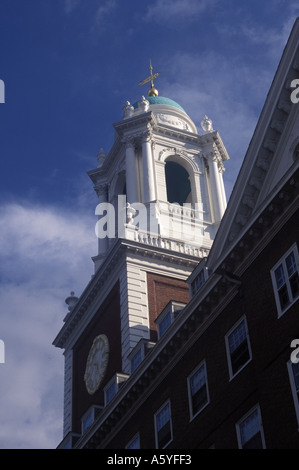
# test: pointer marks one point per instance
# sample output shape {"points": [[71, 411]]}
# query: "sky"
{"points": [[68, 67]]}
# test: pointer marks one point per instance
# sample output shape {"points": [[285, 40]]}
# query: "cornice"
{"points": [[102, 280]]}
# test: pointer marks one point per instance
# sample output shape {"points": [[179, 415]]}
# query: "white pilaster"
{"points": [[131, 177], [134, 310], [148, 169], [216, 189]]}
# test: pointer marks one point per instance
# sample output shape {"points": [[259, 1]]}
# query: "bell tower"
{"points": [[160, 163], [160, 201]]}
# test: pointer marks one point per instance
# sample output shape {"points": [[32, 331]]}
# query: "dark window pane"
{"points": [[199, 399], [291, 264], [254, 443], [164, 435], [283, 297], [294, 283], [239, 356], [279, 276]]}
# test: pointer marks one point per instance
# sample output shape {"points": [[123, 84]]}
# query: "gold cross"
{"points": [[151, 77]]}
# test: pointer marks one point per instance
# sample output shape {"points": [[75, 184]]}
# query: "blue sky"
{"points": [[68, 67]]}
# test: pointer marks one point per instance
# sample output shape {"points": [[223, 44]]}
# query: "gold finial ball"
{"points": [[152, 91]]}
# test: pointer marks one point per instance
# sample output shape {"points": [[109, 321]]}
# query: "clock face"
{"points": [[96, 363]]}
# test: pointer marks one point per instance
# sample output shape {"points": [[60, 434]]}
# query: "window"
{"points": [[138, 353], [89, 417], [198, 390], [110, 392], [136, 360], [238, 347], [113, 386], [134, 443], [285, 280], [198, 282], [163, 426], [250, 432], [164, 324], [293, 369], [167, 316]]}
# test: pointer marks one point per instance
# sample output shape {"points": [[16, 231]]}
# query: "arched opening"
{"points": [[177, 183]]}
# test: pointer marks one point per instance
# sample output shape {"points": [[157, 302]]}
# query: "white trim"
{"points": [[169, 310], [228, 355], [256, 407], [200, 365], [281, 261], [116, 380], [170, 421]]}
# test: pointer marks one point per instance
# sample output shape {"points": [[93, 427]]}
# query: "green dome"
{"points": [[161, 100]]}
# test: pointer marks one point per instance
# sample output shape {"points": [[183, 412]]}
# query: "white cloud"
{"points": [[44, 254]]}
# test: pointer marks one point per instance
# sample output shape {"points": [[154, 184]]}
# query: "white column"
{"points": [[216, 189], [131, 177], [224, 202], [148, 169]]}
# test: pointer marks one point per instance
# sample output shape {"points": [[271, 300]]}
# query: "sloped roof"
{"points": [[262, 171]]}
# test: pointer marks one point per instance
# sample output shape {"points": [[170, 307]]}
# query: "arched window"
{"points": [[177, 183]]}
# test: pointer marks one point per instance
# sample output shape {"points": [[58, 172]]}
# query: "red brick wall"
{"points": [[161, 290]]}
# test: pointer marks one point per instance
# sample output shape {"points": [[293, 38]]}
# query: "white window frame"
{"points": [[143, 346], [134, 438], [172, 309], [167, 402], [193, 415], [228, 353], [282, 262], [116, 380], [238, 426], [295, 393]]}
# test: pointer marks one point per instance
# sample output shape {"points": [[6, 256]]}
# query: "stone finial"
{"points": [[71, 301], [128, 109], [101, 157], [207, 124], [143, 104]]}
